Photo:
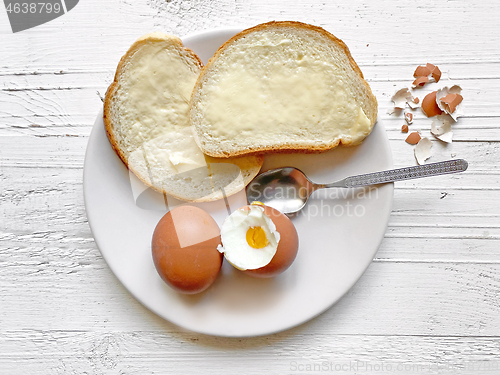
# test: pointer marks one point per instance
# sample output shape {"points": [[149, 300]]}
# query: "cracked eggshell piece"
{"points": [[449, 100], [401, 97], [259, 240], [409, 118], [426, 73], [414, 104], [413, 138], [420, 82], [429, 105], [423, 150], [435, 72], [441, 128], [422, 71]]}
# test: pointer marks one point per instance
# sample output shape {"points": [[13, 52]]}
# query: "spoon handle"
{"points": [[408, 173]]}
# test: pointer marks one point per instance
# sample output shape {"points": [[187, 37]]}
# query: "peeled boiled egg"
{"points": [[184, 249], [259, 240]]}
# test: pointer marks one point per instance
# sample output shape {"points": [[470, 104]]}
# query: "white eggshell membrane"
{"points": [[401, 97], [423, 150], [441, 128], [235, 247]]}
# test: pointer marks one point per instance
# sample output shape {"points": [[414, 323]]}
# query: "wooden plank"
{"points": [[52, 351], [107, 38]]}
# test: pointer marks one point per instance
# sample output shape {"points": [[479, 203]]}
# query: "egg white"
{"points": [[235, 247]]}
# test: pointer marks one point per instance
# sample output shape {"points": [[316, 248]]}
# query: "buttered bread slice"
{"points": [[146, 120], [281, 86]]}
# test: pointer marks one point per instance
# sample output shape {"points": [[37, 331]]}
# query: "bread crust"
{"points": [[284, 148], [111, 92]]}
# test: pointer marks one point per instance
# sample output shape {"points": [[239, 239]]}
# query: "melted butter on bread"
{"points": [[281, 86], [156, 93]]}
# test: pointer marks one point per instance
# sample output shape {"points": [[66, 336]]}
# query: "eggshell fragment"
{"points": [[401, 97], [435, 72], [420, 81], [413, 138], [449, 100], [429, 105], [441, 128], [413, 104], [404, 128], [421, 71], [453, 102], [423, 150], [425, 74], [409, 118]]}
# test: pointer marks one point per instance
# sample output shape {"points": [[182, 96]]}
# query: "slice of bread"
{"points": [[146, 120], [281, 86]]}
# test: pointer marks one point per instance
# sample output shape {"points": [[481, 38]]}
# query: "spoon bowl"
{"points": [[285, 189]]}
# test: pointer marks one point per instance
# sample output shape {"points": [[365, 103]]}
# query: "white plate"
{"points": [[339, 233]]}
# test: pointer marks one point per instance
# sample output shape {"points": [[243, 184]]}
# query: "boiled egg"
{"points": [[259, 240], [184, 249]]}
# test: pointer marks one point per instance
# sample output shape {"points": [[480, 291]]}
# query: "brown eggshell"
{"points": [[434, 71], [404, 128], [413, 138], [422, 71], [287, 247], [420, 81], [453, 100], [184, 249], [429, 105]]}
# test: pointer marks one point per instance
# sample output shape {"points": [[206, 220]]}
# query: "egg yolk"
{"points": [[256, 237]]}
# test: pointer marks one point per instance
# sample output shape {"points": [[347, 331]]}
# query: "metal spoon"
{"points": [[288, 189]]}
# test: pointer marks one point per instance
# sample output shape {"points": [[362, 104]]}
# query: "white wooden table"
{"points": [[429, 302]]}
